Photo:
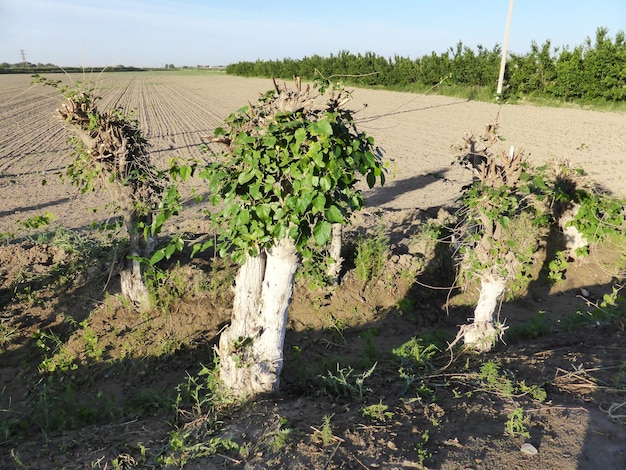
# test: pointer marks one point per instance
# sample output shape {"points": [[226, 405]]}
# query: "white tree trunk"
{"points": [[251, 348], [335, 253], [574, 240], [481, 334], [132, 280]]}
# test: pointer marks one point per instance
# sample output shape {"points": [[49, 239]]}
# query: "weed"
{"points": [[200, 404], [282, 435], [55, 408], [492, 379], [370, 352], [16, 458], [55, 353], [371, 254], [338, 326], [411, 379], [516, 424], [535, 328], [91, 342], [557, 267], [377, 412], [406, 305], [619, 379], [422, 453], [6, 237], [165, 287], [325, 433], [416, 353], [37, 221], [344, 385], [7, 332]]}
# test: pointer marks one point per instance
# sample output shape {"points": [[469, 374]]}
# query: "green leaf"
{"points": [[302, 203], [319, 203], [300, 137], [334, 215], [321, 127], [263, 211], [169, 250], [322, 232], [325, 183], [185, 172], [157, 256], [243, 217], [244, 177]]}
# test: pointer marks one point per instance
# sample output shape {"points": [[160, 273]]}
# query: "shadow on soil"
{"points": [[367, 381]]}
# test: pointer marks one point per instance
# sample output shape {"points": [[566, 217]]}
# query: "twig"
{"points": [[613, 408], [330, 458], [236, 462]]}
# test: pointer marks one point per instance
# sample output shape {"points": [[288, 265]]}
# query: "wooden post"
{"points": [[504, 49]]}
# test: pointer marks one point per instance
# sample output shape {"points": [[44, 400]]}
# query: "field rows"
{"points": [[174, 118], [416, 132]]}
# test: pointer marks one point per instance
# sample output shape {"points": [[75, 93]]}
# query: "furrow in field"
{"points": [[32, 136]]}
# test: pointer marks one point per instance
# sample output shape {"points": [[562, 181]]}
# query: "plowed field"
{"points": [[455, 425]]}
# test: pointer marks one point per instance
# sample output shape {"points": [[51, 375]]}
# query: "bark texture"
{"points": [[334, 270], [482, 333], [251, 348]]}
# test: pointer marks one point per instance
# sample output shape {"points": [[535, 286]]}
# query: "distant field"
{"points": [[176, 109]]}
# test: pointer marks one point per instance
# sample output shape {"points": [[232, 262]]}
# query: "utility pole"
{"points": [[23, 55], [504, 49]]}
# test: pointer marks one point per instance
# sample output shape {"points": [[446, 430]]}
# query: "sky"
{"points": [[151, 33]]}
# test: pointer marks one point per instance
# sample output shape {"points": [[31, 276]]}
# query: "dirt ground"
{"points": [[444, 416]]}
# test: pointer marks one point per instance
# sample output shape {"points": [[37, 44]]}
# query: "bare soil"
{"points": [[111, 397]]}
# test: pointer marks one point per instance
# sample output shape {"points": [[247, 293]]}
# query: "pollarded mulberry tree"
{"points": [[285, 182], [110, 151], [504, 220]]}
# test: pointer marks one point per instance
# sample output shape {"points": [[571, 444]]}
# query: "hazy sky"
{"points": [[190, 32]]}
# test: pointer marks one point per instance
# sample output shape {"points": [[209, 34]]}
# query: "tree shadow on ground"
{"points": [[438, 411]]}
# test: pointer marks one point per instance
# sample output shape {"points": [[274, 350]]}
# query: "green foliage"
{"points": [[290, 171], [377, 412], [416, 353], [38, 221], [557, 267], [345, 385], [590, 71], [599, 216], [371, 253], [516, 424]]}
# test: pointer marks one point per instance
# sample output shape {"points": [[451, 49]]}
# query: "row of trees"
{"points": [[281, 189], [593, 70], [285, 182], [31, 68]]}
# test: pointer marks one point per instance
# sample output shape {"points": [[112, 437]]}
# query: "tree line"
{"points": [[31, 68], [593, 70]]}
